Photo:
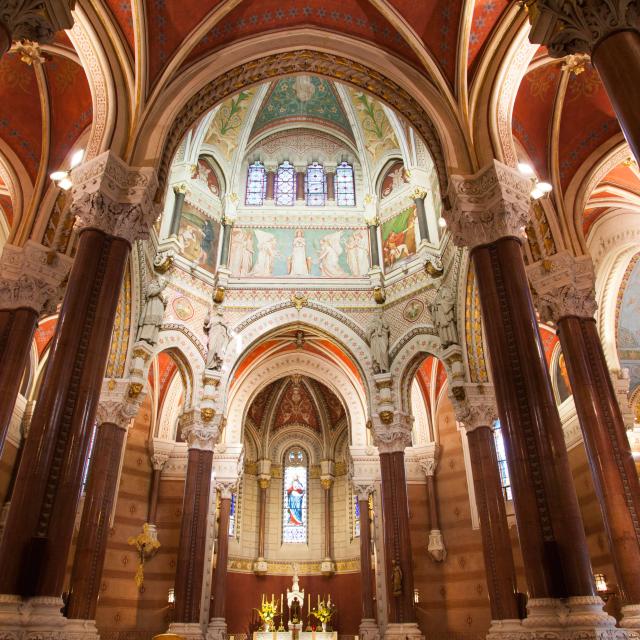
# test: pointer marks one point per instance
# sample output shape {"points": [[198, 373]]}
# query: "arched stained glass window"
{"points": [[285, 187], [505, 480], [294, 497], [232, 514], [315, 185], [256, 184], [345, 186], [356, 517]]}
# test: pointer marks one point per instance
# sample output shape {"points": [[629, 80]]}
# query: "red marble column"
{"points": [[436, 546], [222, 558], [112, 213], [300, 176], [264, 478], [331, 186], [195, 511], [29, 285], [271, 182], [362, 492], [158, 460], [489, 212], [564, 288]]}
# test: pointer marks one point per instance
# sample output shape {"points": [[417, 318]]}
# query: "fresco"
{"points": [[205, 173], [225, 127], [560, 377], [399, 235], [395, 178], [269, 252], [628, 330], [198, 237]]}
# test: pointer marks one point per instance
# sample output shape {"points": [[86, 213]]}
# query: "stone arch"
{"points": [[293, 435]]}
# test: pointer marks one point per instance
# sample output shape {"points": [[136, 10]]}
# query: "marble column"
{"points": [[34, 21], [330, 173], [477, 412], [271, 183], [327, 567], [301, 174], [180, 192], [363, 490], [418, 195], [201, 438], [30, 286], [489, 212], [373, 243], [264, 478], [227, 225], [392, 434], [114, 206], [435, 547], [115, 412], [564, 293], [158, 460], [609, 33]]}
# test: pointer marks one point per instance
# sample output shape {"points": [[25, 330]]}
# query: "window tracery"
{"points": [[315, 185], [256, 184], [285, 185], [345, 185], [295, 497]]}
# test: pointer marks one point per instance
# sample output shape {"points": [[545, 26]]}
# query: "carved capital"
{"points": [[116, 406], [419, 193], [33, 277], [226, 488], [36, 20], [562, 286], [576, 26], [112, 197], [392, 432], [158, 460], [363, 489], [428, 465], [491, 204], [475, 405], [197, 433]]}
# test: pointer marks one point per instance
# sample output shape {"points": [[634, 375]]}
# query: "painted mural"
{"points": [[269, 252], [560, 377], [205, 174], [198, 237], [628, 330], [395, 178], [225, 127], [399, 235]]}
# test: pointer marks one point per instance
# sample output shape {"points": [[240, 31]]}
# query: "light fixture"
{"points": [[171, 596], [601, 582], [77, 158], [65, 184], [525, 169], [416, 596], [62, 177], [442, 223], [538, 189]]}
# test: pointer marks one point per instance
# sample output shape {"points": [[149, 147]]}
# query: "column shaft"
{"points": [[300, 176], [154, 494], [180, 195], [193, 536], [17, 327], [331, 186], [422, 218], [220, 576], [33, 552], [226, 240], [551, 532], [612, 465], [271, 181], [395, 513], [496, 543], [327, 522], [365, 561], [262, 522], [616, 60], [433, 507], [373, 242], [91, 546]]}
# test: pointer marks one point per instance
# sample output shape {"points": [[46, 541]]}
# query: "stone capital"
{"points": [[197, 433], [491, 204], [577, 26], [112, 197], [36, 20], [226, 487], [475, 405], [392, 431], [363, 489], [428, 465], [562, 286], [33, 277], [158, 460], [116, 405]]}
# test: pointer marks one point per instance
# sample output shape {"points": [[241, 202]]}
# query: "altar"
{"points": [[302, 635]]}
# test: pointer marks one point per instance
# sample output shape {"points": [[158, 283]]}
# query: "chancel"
{"points": [[319, 320]]}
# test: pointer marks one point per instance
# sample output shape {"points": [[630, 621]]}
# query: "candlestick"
{"points": [[309, 607], [281, 600], [273, 598], [263, 599]]}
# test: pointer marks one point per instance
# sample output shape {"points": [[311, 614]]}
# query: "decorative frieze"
{"points": [[112, 197], [36, 20], [563, 286], [33, 277], [491, 204]]}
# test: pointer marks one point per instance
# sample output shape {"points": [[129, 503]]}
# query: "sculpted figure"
{"points": [[152, 312], [218, 337], [444, 316], [379, 343], [396, 579]]}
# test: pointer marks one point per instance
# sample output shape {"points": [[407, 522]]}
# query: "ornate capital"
{"points": [[158, 460], [428, 465], [36, 20], [226, 488], [576, 26], [363, 489], [392, 432], [491, 204], [181, 187], [419, 193], [563, 286], [197, 433], [116, 405], [32, 277], [112, 197], [475, 405]]}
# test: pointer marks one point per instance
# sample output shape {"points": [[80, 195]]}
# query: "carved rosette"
{"points": [[576, 26], [116, 405], [112, 197], [32, 277], [491, 204], [363, 489], [36, 20], [563, 286], [476, 407], [392, 433], [226, 488], [197, 433]]}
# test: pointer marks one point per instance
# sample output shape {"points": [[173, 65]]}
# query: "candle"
{"points": [[309, 606], [263, 599], [318, 601], [281, 599]]}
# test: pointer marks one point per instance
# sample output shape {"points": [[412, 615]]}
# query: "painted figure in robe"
{"points": [[295, 498]]}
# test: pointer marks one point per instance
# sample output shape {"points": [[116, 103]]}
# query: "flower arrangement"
{"points": [[267, 612], [323, 612]]}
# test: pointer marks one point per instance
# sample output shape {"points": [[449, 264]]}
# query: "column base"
{"points": [[39, 618], [217, 629], [368, 629], [630, 616], [187, 630], [81, 630], [403, 631]]}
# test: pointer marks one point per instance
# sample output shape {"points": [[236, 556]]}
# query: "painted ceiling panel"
{"points": [[123, 17], [486, 14], [296, 406], [44, 333], [7, 208], [591, 216]]}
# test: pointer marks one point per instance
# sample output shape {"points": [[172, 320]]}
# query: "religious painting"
{"points": [[204, 173], [294, 512], [560, 377], [413, 310], [183, 308], [198, 236], [395, 178], [399, 235], [271, 252], [628, 322]]}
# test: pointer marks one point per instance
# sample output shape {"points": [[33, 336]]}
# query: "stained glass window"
{"points": [[315, 185], [285, 187], [256, 184], [356, 517], [502, 460], [344, 185], [232, 515], [294, 497]]}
